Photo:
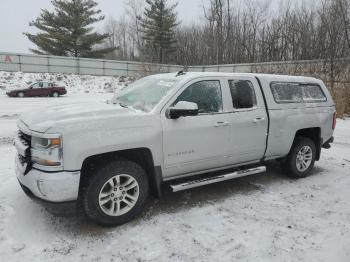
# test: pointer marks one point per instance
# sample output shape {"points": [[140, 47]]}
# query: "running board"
{"points": [[215, 179]]}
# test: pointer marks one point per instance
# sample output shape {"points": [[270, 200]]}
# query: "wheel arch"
{"points": [[55, 92], [141, 156], [314, 133]]}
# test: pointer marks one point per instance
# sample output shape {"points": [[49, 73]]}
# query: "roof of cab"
{"points": [[268, 77]]}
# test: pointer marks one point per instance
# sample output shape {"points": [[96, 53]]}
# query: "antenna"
{"points": [[182, 72]]}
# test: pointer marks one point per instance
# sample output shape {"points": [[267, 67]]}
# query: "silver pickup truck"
{"points": [[179, 130]]}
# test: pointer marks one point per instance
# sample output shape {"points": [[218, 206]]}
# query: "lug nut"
{"points": [[115, 199], [123, 192], [121, 188], [121, 198], [112, 195]]}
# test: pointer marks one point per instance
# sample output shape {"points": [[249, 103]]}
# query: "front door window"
{"points": [[206, 94]]}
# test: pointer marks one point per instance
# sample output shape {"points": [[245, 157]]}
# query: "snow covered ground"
{"points": [[259, 218], [73, 83]]}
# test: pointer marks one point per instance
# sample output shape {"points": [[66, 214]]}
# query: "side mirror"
{"points": [[182, 108]]}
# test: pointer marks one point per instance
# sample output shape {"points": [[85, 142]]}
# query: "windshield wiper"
{"points": [[123, 105], [133, 107]]}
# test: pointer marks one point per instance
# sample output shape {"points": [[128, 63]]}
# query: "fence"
{"points": [[82, 66], [85, 66]]}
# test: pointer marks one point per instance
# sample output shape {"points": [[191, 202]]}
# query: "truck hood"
{"points": [[43, 120]]}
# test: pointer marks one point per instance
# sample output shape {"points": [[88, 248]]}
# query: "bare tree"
{"points": [[134, 11], [252, 31], [119, 38]]}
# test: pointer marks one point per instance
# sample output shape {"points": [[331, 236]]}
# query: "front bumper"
{"points": [[10, 94], [49, 186], [65, 209]]}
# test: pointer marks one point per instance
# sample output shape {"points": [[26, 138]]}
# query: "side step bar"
{"points": [[218, 178]]}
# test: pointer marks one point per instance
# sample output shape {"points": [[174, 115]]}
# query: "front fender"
{"points": [[77, 149]]}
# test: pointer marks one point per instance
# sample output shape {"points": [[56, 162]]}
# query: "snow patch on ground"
{"points": [[258, 218], [73, 83]]}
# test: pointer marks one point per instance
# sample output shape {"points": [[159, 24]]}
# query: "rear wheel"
{"points": [[55, 94], [301, 158], [116, 193], [20, 94]]}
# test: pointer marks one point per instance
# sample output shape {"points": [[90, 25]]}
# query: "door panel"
{"points": [[248, 136], [248, 122], [36, 89], [45, 90], [194, 143]]}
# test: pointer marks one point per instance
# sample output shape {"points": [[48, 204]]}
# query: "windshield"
{"points": [[35, 85], [145, 93]]}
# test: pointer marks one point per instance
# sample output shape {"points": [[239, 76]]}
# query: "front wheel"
{"points": [[20, 94], [116, 193], [55, 94], [301, 158]]}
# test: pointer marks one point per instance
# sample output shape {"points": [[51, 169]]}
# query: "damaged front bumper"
{"points": [[49, 186]]}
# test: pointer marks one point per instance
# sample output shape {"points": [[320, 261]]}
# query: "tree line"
{"points": [[228, 32], [250, 32]]}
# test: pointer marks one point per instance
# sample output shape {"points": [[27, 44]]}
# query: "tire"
{"points": [[101, 200], [20, 94], [301, 158], [55, 94]]}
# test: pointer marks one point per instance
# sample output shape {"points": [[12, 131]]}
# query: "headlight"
{"points": [[45, 143], [47, 151]]}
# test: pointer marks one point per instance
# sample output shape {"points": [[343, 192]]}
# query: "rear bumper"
{"points": [[327, 144], [55, 187]]}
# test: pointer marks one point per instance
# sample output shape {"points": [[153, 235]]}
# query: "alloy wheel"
{"points": [[119, 195], [304, 158]]}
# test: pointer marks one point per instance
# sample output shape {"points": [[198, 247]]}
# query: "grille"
{"points": [[26, 139], [25, 160], [22, 159]]}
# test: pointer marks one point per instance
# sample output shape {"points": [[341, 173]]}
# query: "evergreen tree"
{"points": [[67, 31], [158, 28]]}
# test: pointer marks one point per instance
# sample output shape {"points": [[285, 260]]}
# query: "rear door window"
{"points": [[242, 93], [284, 92]]}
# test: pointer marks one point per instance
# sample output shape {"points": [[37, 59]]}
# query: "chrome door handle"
{"points": [[258, 119], [220, 124]]}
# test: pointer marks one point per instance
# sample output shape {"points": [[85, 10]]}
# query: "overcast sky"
{"points": [[16, 14]]}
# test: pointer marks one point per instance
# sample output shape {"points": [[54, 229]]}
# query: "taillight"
{"points": [[334, 120]]}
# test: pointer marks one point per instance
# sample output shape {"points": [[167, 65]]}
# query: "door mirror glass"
{"points": [[182, 108]]}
